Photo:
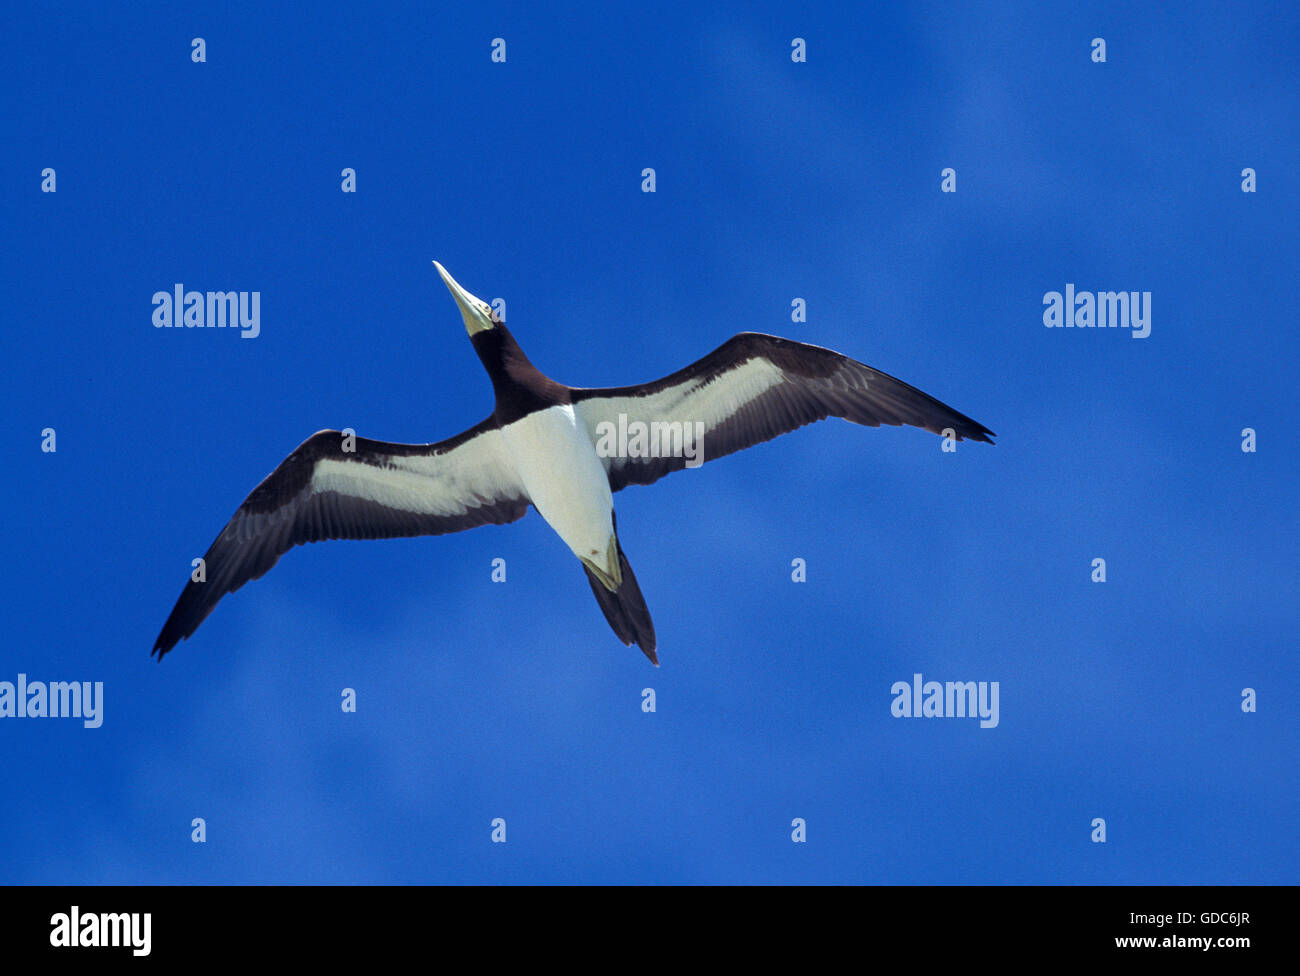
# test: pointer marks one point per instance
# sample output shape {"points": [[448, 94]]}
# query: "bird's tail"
{"points": [[625, 608]]}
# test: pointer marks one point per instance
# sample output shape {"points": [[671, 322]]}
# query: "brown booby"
{"points": [[563, 450]]}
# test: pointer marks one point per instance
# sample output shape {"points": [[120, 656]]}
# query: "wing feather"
{"points": [[751, 389], [377, 490]]}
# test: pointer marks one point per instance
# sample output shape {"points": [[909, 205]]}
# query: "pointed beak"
{"points": [[476, 312]]}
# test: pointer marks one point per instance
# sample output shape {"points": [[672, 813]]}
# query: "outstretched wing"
{"points": [[376, 490], [750, 389]]}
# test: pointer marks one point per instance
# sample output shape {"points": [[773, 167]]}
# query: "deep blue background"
{"points": [[775, 180]]}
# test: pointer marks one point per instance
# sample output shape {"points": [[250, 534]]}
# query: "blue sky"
{"points": [[477, 700]]}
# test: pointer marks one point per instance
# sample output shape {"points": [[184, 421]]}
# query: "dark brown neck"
{"points": [[521, 388]]}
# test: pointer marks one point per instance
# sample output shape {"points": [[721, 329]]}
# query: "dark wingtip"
{"points": [[163, 644], [974, 432]]}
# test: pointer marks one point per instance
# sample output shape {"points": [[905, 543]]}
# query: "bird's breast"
{"points": [[557, 463]]}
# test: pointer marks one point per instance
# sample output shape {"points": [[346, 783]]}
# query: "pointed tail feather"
{"points": [[626, 610]]}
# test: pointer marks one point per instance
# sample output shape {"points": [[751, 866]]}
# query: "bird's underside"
{"points": [[749, 390]]}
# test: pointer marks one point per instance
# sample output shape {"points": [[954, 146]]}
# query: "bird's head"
{"points": [[479, 316]]}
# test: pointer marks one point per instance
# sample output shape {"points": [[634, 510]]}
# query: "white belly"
{"points": [[565, 480]]}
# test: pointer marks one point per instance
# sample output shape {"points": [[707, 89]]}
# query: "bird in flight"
{"points": [[564, 450]]}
